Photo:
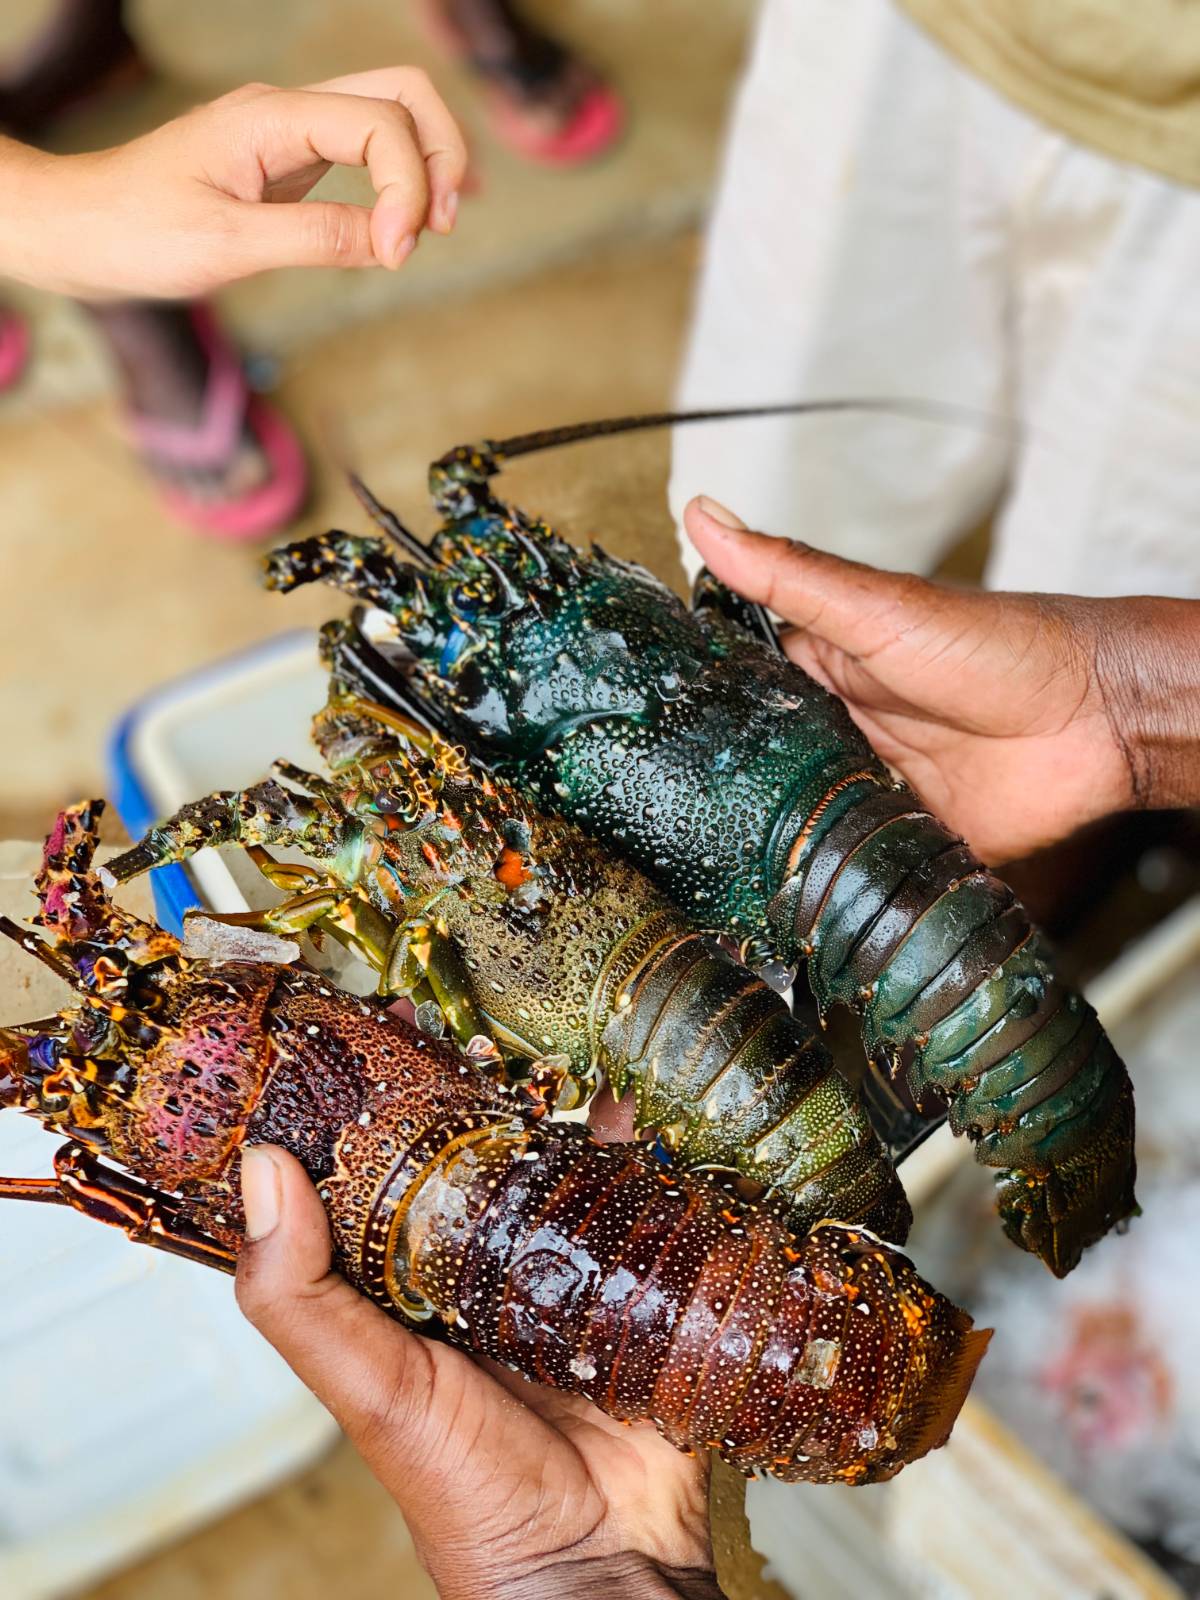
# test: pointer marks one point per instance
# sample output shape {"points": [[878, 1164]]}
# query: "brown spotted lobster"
{"points": [[684, 738], [586, 1267], [537, 945]]}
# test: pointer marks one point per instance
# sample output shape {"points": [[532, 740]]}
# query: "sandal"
{"points": [[594, 125], [230, 411], [14, 348]]}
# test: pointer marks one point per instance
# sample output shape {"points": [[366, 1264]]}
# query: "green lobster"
{"points": [[743, 788], [538, 946]]}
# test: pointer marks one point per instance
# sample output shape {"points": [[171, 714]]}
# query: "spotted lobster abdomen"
{"points": [[589, 1268]]}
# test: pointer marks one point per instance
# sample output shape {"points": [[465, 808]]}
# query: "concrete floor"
{"points": [[562, 296]]}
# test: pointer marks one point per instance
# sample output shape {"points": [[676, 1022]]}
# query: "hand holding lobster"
{"points": [[508, 1489], [1017, 717]]}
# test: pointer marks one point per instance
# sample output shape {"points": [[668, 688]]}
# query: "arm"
{"points": [[1017, 717], [180, 211], [508, 1490]]}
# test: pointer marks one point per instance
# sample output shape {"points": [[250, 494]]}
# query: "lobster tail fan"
{"points": [[949, 1374], [1082, 1197]]}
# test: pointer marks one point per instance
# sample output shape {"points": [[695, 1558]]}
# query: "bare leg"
{"points": [[164, 374], [84, 47]]}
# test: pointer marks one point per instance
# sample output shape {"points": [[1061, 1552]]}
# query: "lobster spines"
{"points": [[89, 931], [366, 567]]}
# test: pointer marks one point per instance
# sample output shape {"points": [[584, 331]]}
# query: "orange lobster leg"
{"points": [[100, 1192]]}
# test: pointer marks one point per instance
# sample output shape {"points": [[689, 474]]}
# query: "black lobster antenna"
{"points": [[921, 410]]}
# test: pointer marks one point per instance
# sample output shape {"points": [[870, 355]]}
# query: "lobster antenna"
{"points": [[386, 519], [388, 682], [40, 950], [524, 444]]}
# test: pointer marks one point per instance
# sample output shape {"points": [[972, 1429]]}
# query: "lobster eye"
{"points": [[466, 602], [392, 801], [45, 1051]]}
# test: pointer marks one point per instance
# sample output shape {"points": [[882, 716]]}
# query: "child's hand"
{"points": [[179, 212]]}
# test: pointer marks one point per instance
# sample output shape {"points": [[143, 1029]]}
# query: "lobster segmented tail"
{"points": [[586, 1267], [716, 1059], [956, 989]]}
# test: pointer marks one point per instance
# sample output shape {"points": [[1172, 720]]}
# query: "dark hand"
{"points": [[508, 1489], [1016, 717]]}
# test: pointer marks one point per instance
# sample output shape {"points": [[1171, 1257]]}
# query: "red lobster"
{"points": [[587, 1267]]}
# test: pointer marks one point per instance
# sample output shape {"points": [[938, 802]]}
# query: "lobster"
{"points": [[585, 1267], [535, 943], [744, 789]]}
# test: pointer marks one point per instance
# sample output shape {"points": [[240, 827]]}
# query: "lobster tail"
{"points": [[714, 1057], [956, 990], [824, 1360]]}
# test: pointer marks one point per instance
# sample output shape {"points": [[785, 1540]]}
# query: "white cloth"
{"points": [[887, 225]]}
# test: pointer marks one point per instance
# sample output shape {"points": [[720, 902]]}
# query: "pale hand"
{"points": [[218, 194]]}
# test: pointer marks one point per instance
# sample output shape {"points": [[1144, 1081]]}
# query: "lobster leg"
{"points": [[290, 876], [345, 646], [366, 568], [143, 1213], [265, 814]]}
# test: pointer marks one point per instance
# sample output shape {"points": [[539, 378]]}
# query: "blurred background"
{"points": [[565, 293]]}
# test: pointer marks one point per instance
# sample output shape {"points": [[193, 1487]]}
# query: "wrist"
{"points": [[1147, 665], [28, 185], [627, 1573]]}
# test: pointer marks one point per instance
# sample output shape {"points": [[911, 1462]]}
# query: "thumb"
{"points": [[854, 607], [307, 233], [373, 1375]]}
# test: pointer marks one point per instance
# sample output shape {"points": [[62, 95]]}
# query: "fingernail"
{"points": [[721, 514], [393, 241], [450, 209], [260, 1193]]}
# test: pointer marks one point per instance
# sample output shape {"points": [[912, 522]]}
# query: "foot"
{"points": [[547, 103], [224, 460], [83, 50]]}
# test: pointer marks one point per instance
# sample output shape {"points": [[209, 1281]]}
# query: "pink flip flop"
{"points": [[14, 348], [229, 407], [597, 124]]}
